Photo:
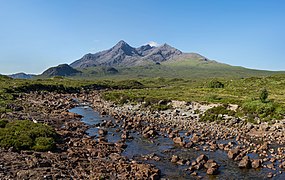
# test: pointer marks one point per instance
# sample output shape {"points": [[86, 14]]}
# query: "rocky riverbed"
{"points": [[129, 142], [258, 148], [78, 156]]}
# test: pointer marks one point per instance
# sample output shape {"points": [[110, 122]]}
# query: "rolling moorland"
{"points": [[216, 118]]}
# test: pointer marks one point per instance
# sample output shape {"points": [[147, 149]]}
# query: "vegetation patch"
{"points": [[26, 135], [216, 113], [264, 111]]}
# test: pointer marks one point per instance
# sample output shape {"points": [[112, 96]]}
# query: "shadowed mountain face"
{"points": [[124, 55], [60, 70]]}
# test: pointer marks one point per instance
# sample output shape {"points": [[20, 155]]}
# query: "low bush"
{"points": [[26, 135]]}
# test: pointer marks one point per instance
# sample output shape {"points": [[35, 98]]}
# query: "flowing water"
{"points": [[139, 147]]}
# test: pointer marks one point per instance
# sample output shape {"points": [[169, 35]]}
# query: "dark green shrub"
{"points": [[263, 95]]}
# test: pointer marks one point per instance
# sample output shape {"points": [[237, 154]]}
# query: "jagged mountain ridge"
{"points": [[122, 54]]}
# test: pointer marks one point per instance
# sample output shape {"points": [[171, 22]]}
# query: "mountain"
{"points": [[125, 61], [21, 76], [60, 70], [122, 54]]}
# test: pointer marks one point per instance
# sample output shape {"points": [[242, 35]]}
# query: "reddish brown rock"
{"points": [[232, 154], [179, 140], [256, 163], [212, 171], [201, 158], [174, 159], [245, 163]]}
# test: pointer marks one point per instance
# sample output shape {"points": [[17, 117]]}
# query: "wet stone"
{"points": [[233, 153], [256, 163], [245, 163]]}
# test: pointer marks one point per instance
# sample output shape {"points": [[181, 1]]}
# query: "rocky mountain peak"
{"points": [[124, 48], [121, 43], [122, 54]]}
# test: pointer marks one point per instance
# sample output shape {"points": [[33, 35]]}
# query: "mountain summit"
{"points": [[122, 54]]}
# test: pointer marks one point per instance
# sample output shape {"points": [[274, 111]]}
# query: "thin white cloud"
{"points": [[153, 44]]}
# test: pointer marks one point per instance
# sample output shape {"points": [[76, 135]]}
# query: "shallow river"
{"points": [[164, 148]]}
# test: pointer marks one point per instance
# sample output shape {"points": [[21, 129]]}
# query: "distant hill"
{"points": [[122, 54], [60, 70], [22, 76]]}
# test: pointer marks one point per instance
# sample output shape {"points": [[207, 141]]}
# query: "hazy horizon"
{"points": [[36, 35]]}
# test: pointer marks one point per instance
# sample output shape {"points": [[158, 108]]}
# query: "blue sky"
{"points": [[37, 34]]}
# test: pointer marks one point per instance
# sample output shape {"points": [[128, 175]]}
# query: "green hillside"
{"points": [[183, 68]]}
